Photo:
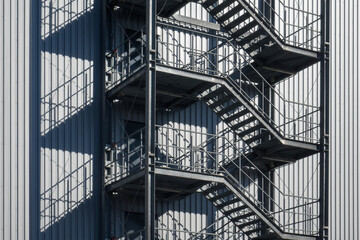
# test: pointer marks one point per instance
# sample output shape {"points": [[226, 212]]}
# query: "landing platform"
{"points": [[169, 183], [176, 88], [165, 8]]}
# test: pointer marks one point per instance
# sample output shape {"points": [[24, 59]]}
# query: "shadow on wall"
{"points": [[67, 137]]}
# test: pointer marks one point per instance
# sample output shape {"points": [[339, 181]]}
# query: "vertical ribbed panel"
{"points": [[67, 138], [14, 119], [344, 125]]}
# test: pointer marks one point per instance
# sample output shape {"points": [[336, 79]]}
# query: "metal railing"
{"points": [[289, 21], [293, 120], [216, 154]]}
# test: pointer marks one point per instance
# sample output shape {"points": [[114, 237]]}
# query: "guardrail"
{"points": [[216, 154]]}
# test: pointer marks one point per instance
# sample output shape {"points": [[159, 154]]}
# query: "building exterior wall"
{"points": [[344, 121], [14, 119], [56, 148]]}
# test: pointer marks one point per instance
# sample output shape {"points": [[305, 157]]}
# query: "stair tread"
{"points": [[208, 3], [213, 188], [257, 45], [221, 7], [243, 216], [244, 29], [219, 196], [255, 230], [256, 137], [258, 220], [230, 13], [229, 108], [237, 21], [251, 36], [236, 115], [250, 130], [215, 93], [221, 101], [236, 209], [243, 123], [222, 205]]}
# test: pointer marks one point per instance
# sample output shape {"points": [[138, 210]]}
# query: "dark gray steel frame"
{"points": [[151, 108], [324, 121]]}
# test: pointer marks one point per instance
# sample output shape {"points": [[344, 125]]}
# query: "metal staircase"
{"points": [[275, 55]]}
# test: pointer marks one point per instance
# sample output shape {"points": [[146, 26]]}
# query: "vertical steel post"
{"points": [[324, 121], [150, 112]]}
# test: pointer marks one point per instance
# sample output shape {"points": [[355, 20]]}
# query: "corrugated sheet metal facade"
{"points": [[14, 119], [344, 127], [64, 199]]}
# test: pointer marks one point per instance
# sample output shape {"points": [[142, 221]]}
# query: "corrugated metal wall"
{"points": [[63, 200], [14, 119], [344, 127], [67, 137]]}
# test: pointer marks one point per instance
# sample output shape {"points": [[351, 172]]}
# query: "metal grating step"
{"points": [[243, 216], [237, 21], [230, 13], [236, 115], [256, 137], [243, 225], [227, 203], [221, 101], [251, 36], [221, 7], [213, 189], [237, 209], [229, 108], [215, 93], [222, 195], [243, 123], [257, 45], [209, 3], [250, 130], [244, 29], [255, 230]]}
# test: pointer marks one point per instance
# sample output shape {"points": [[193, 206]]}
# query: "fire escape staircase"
{"points": [[273, 57]]}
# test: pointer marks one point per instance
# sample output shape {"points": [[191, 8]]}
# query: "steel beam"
{"points": [[150, 112], [324, 121]]}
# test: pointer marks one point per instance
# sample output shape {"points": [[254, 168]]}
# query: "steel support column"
{"points": [[324, 121], [150, 110]]}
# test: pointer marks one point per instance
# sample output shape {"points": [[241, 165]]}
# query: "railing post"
{"points": [[129, 56], [167, 147]]}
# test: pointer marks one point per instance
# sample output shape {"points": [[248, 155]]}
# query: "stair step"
{"points": [[237, 21], [221, 7], [256, 137], [271, 236], [243, 225], [208, 3], [215, 93], [229, 108], [244, 29], [227, 203], [243, 216], [230, 13], [221, 101], [251, 36], [255, 230], [219, 196], [257, 45], [213, 189], [250, 130], [243, 123], [236, 115], [237, 209]]}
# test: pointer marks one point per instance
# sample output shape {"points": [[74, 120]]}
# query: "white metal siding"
{"points": [[14, 119]]}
